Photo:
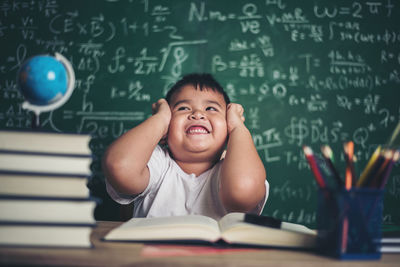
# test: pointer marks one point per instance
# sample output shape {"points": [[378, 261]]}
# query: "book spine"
{"points": [[38, 153], [51, 199], [55, 224]]}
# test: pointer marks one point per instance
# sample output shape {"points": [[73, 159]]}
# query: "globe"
{"points": [[43, 80], [46, 82]]}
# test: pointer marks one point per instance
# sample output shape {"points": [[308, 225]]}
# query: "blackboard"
{"points": [[307, 72]]}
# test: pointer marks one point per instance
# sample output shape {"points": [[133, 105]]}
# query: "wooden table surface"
{"points": [[133, 254]]}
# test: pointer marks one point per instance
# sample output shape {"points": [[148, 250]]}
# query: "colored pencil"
{"points": [[387, 158], [372, 174], [345, 232], [395, 158], [348, 152], [393, 141], [369, 166], [328, 156], [314, 167], [349, 177]]}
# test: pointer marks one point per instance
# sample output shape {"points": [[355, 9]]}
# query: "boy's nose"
{"points": [[197, 115]]}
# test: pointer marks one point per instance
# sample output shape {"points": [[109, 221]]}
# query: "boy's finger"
{"points": [[153, 108], [241, 111]]}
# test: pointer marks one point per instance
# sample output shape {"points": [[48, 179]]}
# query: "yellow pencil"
{"points": [[393, 141], [368, 168]]}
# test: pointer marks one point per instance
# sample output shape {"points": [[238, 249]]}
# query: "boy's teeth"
{"points": [[197, 130]]}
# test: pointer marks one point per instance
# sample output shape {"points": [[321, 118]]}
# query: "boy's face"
{"points": [[197, 130]]}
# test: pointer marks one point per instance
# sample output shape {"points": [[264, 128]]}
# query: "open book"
{"points": [[231, 229]]}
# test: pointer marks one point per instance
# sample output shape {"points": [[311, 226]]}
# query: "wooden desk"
{"points": [[129, 254]]}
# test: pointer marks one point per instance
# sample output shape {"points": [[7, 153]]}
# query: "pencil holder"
{"points": [[349, 223]]}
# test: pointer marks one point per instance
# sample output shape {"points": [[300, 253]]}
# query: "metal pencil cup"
{"points": [[349, 223]]}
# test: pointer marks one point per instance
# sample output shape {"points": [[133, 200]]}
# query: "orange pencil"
{"points": [[349, 152]]}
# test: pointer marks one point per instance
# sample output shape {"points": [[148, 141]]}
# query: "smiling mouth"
{"points": [[197, 130]]}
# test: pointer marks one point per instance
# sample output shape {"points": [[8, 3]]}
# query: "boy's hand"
{"points": [[234, 116], [161, 108]]}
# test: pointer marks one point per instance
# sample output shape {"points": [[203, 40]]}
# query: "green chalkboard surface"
{"points": [[307, 72]]}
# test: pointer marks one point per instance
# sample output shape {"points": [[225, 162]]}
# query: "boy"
{"points": [[197, 122]]}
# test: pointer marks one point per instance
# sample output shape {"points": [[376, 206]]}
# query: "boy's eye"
{"points": [[211, 108], [183, 108]]}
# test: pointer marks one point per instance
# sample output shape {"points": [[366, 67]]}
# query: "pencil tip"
{"points": [[307, 150], [396, 156], [326, 151], [388, 154], [345, 147]]}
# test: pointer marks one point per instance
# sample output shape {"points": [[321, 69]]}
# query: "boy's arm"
{"points": [[242, 172], [125, 161]]}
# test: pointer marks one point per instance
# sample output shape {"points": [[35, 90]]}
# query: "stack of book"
{"points": [[390, 241], [44, 200]]}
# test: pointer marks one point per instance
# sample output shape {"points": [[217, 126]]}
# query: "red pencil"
{"points": [[313, 164]]}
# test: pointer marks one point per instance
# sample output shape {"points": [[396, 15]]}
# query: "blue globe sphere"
{"points": [[42, 80]]}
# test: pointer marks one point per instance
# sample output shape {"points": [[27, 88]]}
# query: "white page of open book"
{"points": [[192, 227], [235, 230]]}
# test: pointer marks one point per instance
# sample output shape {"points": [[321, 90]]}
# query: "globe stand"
{"points": [[37, 109]]}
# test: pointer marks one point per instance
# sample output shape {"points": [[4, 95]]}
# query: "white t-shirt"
{"points": [[172, 192]]}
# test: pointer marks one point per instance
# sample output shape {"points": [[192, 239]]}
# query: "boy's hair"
{"points": [[198, 80]]}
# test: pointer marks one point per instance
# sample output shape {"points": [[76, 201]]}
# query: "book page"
{"points": [[236, 219], [231, 220], [175, 220], [297, 228], [190, 227], [235, 230]]}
